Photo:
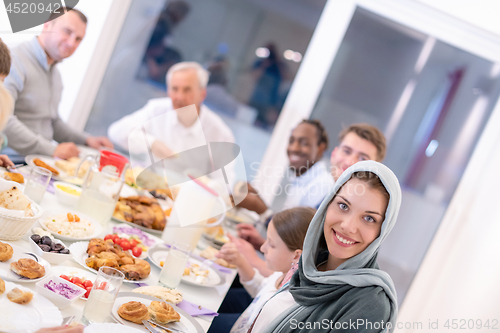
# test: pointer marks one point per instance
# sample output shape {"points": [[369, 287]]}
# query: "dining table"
{"points": [[204, 297]]}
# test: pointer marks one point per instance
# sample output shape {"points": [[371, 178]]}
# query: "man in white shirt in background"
{"points": [[170, 133]]}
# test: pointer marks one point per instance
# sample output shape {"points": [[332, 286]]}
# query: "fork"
{"points": [[164, 327], [67, 320], [149, 327]]}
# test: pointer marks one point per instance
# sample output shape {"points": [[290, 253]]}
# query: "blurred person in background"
{"points": [[36, 86], [269, 73], [6, 101], [180, 130]]}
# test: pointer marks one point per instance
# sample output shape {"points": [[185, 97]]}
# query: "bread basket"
{"points": [[14, 228]]}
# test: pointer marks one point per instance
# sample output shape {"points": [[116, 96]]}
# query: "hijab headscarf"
{"points": [[357, 289]]}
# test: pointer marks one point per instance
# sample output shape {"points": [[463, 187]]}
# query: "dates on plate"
{"points": [[48, 245]]}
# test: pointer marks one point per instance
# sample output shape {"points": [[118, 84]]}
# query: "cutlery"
{"points": [[67, 320], [164, 327], [149, 327], [13, 167]]}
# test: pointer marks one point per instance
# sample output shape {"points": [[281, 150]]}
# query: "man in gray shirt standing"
{"points": [[36, 85]]}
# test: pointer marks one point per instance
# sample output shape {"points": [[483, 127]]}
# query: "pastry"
{"points": [[14, 199], [42, 164], [5, 251], [13, 176], [18, 296], [133, 311], [2, 286], [165, 294], [163, 313], [28, 268], [141, 210]]}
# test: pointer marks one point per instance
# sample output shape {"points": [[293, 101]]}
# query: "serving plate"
{"points": [[187, 323], [7, 274], [79, 251], [38, 313], [47, 215]]}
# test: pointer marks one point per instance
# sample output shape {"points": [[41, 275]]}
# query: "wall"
{"points": [[480, 13]]}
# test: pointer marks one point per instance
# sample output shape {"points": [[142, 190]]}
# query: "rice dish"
{"points": [[60, 225]]}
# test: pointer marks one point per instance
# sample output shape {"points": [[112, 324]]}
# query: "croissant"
{"points": [[6, 251], [139, 270], [28, 268], [133, 311], [163, 313]]}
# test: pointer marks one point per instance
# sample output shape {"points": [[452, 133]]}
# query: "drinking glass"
{"points": [[37, 183], [173, 267], [103, 295]]}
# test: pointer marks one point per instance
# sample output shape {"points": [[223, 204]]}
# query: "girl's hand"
{"points": [[229, 252]]}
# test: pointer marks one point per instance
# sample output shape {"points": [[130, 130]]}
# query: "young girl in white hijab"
{"points": [[339, 286]]}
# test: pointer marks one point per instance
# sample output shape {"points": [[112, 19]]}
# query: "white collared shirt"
{"points": [[310, 188], [161, 124]]}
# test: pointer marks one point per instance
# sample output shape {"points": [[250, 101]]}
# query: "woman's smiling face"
{"points": [[353, 221]]}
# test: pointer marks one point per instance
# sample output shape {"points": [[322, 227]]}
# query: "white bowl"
{"points": [[53, 258], [60, 301], [65, 198]]}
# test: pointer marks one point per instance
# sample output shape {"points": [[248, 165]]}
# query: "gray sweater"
{"points": [[36, 88]]}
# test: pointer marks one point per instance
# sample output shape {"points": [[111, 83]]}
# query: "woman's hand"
{"points": [[5, 161]]}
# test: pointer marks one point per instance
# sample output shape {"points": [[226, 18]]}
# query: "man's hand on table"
{"points": [[253, 202], [66, 150], [251, 235], [98, 142], [5, 161], [62, 329]]}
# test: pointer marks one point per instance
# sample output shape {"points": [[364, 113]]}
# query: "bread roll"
{"points": [[6, 251], [163, 313], [133, 311], [28, 268]]}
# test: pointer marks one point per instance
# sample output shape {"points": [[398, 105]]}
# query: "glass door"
{"points": [[428, 81]]}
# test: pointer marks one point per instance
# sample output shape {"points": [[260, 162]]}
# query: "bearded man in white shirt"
{"points": [[168, 133]]}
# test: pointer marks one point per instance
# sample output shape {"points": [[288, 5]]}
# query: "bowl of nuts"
{"points": [[52, 250]]}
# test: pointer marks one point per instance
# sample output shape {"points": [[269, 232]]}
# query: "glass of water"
{"points": [[103, 295], [174, 264], [37, 183]]}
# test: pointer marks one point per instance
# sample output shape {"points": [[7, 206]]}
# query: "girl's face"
{"points": [[278, 256], [353, 220]]}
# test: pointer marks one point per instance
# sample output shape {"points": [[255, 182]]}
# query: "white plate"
{"points": [[159, 253], [73, 271], [187, 323], [38, 313], [48, 214], [110, 328], [79, 251], [52, 162], [2, 171], [153, 239], [151, 231], [19, 253], [85, 150]]}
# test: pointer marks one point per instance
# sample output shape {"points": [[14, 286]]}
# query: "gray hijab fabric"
{"points": [[357, 289]]}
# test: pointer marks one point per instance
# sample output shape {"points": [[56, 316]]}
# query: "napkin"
{"points": [[194, 310]]}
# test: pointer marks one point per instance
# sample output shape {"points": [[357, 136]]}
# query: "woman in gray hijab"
{"points": [[338, 285]]}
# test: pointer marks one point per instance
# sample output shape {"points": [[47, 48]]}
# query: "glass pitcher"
{"points": [[102, 185]]}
